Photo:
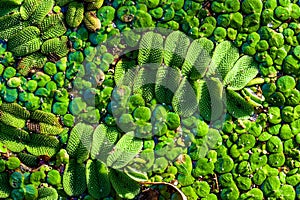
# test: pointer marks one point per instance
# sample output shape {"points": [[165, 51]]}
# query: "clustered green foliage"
{"points": [[233, 64]]}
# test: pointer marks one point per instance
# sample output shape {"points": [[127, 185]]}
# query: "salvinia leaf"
{"points": [[198, 58], [44, 8], [145, 83], [184, 101], [43, 145], [237, 106], [47, 193], [124, 151], [216, 90], [13, 138], [167, 82], [45, 117], [15, 109], [151, 50], [223, 59], [175, 49], [53, 26], [244, 70], [97, 179], [5, 188], [203, 97], [122, 72], [124, 186], [79, 143], [104, 139], [30, 62], [74, 179], [11, 25]]}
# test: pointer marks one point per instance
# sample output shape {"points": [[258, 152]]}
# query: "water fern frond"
{"points": [[15, 109], [47, 193], [75, 14], [184, 101], [55, 47], [197, 58], [104, 140], [216, 90], [145, 83], [13, 138], [237, 106], [25, 41], [124, 186], [28, 159], [11, 120], [203, 97], [11, 25], [28, 8], [42, 145], [53, 26], [124, 151], [33, 61], [44, 7], [167, 82], [79, 142], [122, 69], [5, 188], [175, 49], [45, 117], [8, 6], [74, 179], [151, 50], [244, 70], [223, 59], [97, 179]]}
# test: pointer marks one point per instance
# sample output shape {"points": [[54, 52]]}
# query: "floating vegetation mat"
{"points": [[149, 99]]}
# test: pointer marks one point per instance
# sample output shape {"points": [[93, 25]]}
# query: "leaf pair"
{"points": [[100, 144], [226, 69]]}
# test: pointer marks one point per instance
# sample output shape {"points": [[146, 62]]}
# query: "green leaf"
{"points": [[5, 188], [55, 47], [104, 139], [197, 58], [175, 49], [45, 117], [184, 101], [151, 50], [167, 82], [224, 56], [74, 179], [53, 26], [124, 186], [145, 83], [11, 25], [47, 194], [243, 71], [74, 15], [25, 41], [15, 109], [13, 138], [125, 150], [28, 7], [97, 179], [44, 8], [33, 61], [237, 106], [79, 143], [123, 69], [43, 145]]}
